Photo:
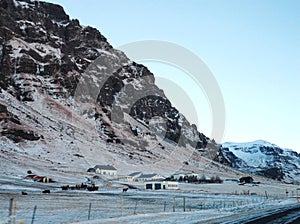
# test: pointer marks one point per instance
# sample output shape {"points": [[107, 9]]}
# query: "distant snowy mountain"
{"points": [[263, 158]]}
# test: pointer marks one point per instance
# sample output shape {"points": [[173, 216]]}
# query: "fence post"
{"points": [[174, 205], [121, 205], [266, 194], [89, 214], [15, 211], [33, 215], [11, 201], [184, 204], [135, 208], [165, 205]]}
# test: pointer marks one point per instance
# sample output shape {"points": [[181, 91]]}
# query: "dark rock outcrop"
{"points": [[12, 128]]}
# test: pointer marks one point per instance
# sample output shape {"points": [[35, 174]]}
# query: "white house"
{"points": [[106, 170], [158, 185], [149, 177], [133, 176]]}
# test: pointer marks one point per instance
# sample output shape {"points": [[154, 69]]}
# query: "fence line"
{"points": [[104, 206]]}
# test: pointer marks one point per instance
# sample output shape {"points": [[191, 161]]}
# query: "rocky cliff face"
{"points": [[38, 42], [64, 86]]}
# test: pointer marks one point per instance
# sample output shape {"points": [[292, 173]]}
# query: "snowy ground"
{"points": [[204, 216], [110, 205]]}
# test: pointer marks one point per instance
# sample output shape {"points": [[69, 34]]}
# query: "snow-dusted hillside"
{"points": [[264, 158], [69, 101]]}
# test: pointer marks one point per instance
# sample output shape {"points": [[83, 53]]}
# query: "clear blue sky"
{"points": [[251, 46]]}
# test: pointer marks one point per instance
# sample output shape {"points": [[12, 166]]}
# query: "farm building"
{"points": [[158, 185], [149, 177], [106, 170], [133, 176]]}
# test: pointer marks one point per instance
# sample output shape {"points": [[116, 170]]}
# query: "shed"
{"points": [[149, 177], [161, 185], [133, 176], [106, 170]]}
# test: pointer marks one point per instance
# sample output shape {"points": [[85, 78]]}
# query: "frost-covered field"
{"points": [[200, 202]]}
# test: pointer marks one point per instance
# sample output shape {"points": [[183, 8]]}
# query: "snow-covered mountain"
{"points": [[263, 158], [69, 101]]}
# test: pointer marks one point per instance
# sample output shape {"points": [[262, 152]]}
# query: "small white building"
{"points": [[106, 170], [161, 185], [149, 177], [132, 177]]}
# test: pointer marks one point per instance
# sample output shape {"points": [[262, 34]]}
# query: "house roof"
{"points": [[134, 174], [105, 167], [147, 175]]}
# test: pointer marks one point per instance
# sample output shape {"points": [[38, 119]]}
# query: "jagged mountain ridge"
{"points": [[44, 56], [263, 158]]}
